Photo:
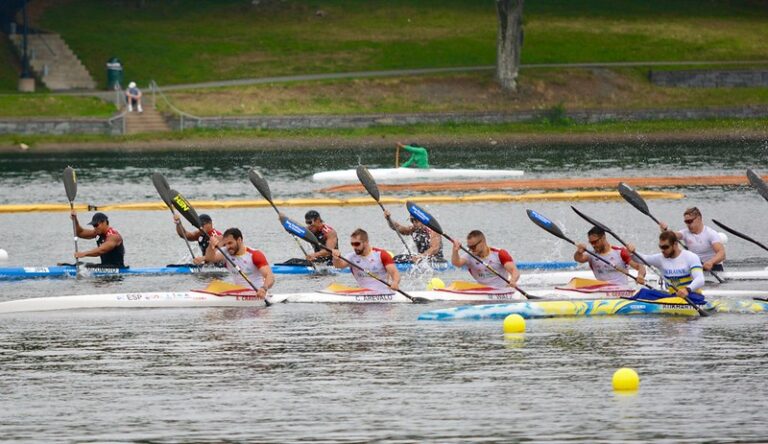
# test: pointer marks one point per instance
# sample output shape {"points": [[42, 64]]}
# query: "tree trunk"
{"points": [[509, 42]]}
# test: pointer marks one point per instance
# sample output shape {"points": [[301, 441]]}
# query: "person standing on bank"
{"points": [[109, 243], [700, 239]]}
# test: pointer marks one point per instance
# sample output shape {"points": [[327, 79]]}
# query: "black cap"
{"points": [[205, 219], [312, 215], [97, 218]]}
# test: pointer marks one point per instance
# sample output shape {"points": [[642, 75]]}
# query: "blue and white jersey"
{"points": [[685, 270]]}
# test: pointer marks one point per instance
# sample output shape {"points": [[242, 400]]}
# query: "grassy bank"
{"points": [[471, 92], [564, 131], [46, 105], [185, 41]]}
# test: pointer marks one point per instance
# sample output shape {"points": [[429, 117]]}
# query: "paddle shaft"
{"points": [[741, 235], [604, 260], [186, 241], [391, 224], [74, 232], [523, 292]]}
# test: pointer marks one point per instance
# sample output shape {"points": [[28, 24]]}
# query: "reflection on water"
{"points": [[318, 372]]}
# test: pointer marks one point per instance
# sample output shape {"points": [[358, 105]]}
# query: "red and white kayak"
{"points": [[240, 298]]}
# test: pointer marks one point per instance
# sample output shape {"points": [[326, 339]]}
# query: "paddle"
{"points": [[184, 208], [70, 187], [553, 229], [741, 235], [303, 233], [757, 182], [261, 184], [164, 190], [634, 199], [370, 185], [427, 219], [701, 311]]}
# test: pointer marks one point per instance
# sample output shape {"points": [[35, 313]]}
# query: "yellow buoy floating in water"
{"points": [[625, 380], [435, 284], [514, 323]]}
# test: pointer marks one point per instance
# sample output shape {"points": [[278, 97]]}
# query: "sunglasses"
{"points": [[355, 244], [309, 222], [665, 246], [473, 247], [689, 221]]}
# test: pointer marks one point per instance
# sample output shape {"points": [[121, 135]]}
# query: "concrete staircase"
{"points": [[54, 63], [149, 121]]}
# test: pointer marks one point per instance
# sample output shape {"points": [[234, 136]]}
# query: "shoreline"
{"points": [[262, 143]]}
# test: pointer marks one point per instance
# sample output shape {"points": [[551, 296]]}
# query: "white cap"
{"points": [[132, 85]]}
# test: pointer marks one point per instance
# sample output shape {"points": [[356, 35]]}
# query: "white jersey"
{"points": [[618, 257], [376, 263], [701, 243], [496, 260], [683, 271], [249, 262]]}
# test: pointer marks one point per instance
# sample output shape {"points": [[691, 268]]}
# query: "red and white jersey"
{"points": [[250, 262], [376, 263], [618, 257], [496, 260]]}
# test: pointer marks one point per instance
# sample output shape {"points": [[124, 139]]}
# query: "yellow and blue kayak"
{"points": [[599, 307]]}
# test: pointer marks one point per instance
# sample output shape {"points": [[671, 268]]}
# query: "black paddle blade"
{"points": [[261, 184], [367, 180], [422, 216], [633, 197], [70, 183], [546, 224], [162, 187], [598, 224], [184, 208], [298, 230], [758, 182], [739, 234]]}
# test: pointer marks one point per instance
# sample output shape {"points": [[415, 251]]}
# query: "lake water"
{"points": [[344, 373]]}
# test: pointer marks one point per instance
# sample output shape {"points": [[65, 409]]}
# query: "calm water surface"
{"points": [[306, 372]]}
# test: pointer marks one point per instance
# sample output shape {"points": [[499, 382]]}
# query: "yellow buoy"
{"points": [[625, 379], [514, 323], [435, 284]]}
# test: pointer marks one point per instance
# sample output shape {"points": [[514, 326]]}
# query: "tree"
{"points": [[509, 42]]}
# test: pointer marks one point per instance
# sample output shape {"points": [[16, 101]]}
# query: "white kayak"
{"points": [[549, 278], [202, 298], [413, 173]]}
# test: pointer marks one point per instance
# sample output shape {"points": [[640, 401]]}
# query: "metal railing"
{"points": [[156, 91]]}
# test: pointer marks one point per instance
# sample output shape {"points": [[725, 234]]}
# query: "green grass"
{"points": [[46, 105], [314, 137], [187, 41]]}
